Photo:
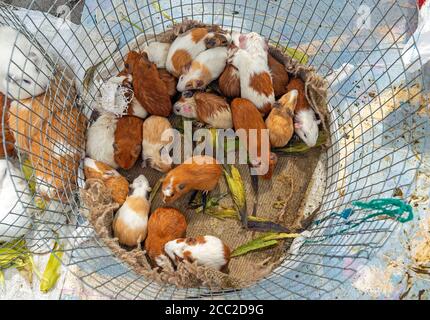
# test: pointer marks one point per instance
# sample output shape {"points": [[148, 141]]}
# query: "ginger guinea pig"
{"points": [[229, 82], [152, 144], [148, 87], [208, 251], [200, 173], [164, 225], [280, 121], [205, 107], [127, 141]]}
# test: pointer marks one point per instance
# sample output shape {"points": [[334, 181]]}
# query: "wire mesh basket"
{"points": [[375, 105]]}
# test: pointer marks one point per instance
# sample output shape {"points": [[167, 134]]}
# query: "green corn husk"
{"points": [[301, 147], [231, 213], [236, 187], [52, 270], [296, 54], [15, 254], [267, 240]]}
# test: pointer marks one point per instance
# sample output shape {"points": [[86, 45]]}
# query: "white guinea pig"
{"points": [[24, 71], [14, 221], [206, 251]]}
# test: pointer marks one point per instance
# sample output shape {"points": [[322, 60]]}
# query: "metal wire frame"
{"points": [[379, 158]]}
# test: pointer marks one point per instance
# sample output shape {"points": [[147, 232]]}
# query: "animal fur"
{"points": [[198, 173], [127, 141], [169, 81], [280, 76], [164, 225], [229, 82], [157, 53], [6, 148], [153, 129], [114, 182], [205, 107], [149, 89]]}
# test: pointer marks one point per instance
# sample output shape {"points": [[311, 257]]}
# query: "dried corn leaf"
{"points": [[52, 270], [300, 147]]}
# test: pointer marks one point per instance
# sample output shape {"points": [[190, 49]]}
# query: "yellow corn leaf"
{"points": [[236, 186], [52, 270]]}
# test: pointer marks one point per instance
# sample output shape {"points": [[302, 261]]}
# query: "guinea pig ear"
{"points": [[298, 125]]}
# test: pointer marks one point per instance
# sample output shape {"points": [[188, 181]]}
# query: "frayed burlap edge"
{"points": [[101, 209]]}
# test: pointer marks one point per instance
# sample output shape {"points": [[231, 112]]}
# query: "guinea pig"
{"points": [[131, 220], [152, 144], [247, 117], [164, 225], [208, 251], [169, 80], [200, 173], [280, 76], [149, 89], [280, 121], [251, 59], [24, 70], [205, 107], [157, 53], [305, 120], [204, 69], [6, 148], [190, 44], [101, 138], [114, 182], [56, 153], [127, 144], [229, 82]]}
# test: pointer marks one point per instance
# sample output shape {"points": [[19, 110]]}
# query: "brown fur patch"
{"points": [[188, 256], [297, 84], [138, 205], [128, 141], [279, 76], [169, 81], [262, 83], [229, 82], [180, 59], [198, 34], [209, 104], [164, 225]]}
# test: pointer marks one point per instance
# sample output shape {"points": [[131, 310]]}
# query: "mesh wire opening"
{"points": [[375, 148]]}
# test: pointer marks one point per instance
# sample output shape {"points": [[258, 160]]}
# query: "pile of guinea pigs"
{"points": [[219, 79]]}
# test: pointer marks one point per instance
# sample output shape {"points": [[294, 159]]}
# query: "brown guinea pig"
{"points": [[229, 82], [164, 225], [128, 141], [169, 80]]}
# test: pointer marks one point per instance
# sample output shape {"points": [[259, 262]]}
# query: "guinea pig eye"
{"points": [[187, 94], [115, 147], [181, 186], [26, 81]]}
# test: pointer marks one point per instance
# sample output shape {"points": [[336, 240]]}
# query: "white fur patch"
{"points": [[308, 131]]}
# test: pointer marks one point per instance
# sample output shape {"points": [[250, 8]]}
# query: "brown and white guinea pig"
{"points": [[280, 121], [190, 44], [152, 144], [114, 182], [247, 117], [115, 141], [280, 76], [6, 147], [251, 59], [164, 225], [148, 87], [200, 173], [204, 69], [208, 251], [229, 82], [131, 220], [55, 153], [305, 119], [157, 53], [205, 107], [128, 141]]}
